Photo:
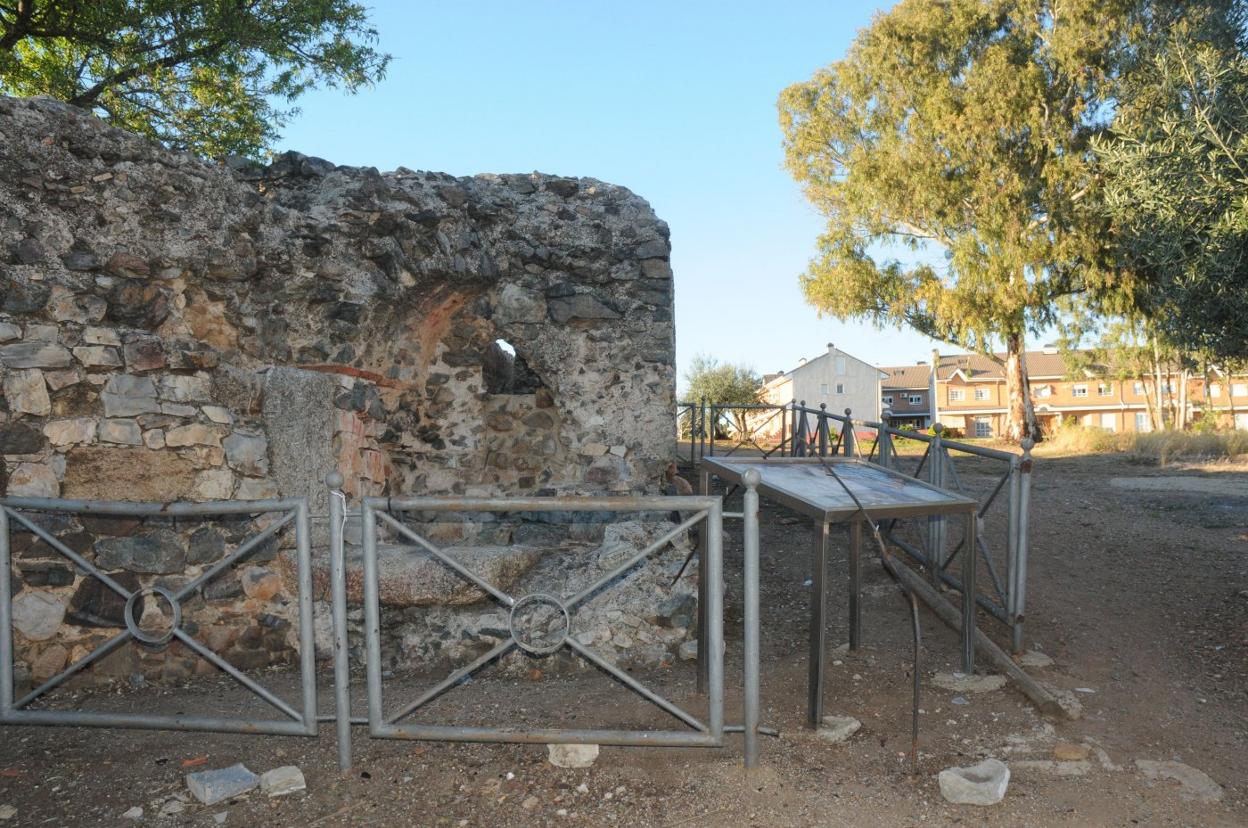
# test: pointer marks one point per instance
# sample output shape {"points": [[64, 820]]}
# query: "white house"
{"points": [[835, 379]]}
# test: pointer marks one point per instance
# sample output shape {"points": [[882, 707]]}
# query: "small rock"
{"points": [[1070, 752], [982, 784], [134, 813], [219, 818], [964, 683], [172, 807], [287, 779], [838, 729], [213, 786], [688, 651], [1036, 659], [1194, 784], [7, 812], [529, 803], [572, 756]]}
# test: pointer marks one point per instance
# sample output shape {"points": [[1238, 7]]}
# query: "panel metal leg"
{"points": [[970, 558], [752, 624], [818, 618], [704, 577], [855, 584]]}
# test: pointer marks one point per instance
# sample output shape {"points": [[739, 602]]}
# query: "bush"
{"points": [[1165, 446]]}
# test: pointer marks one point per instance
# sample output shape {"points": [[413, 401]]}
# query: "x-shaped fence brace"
{"points": [[521, 636], [301, 724]]}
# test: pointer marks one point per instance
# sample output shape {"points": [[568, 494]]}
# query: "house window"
{"points": [[823, 389], [1239, 389], [1104, 390], [1167, 387], [1079, 391], [1109, 421], [840, 388], [1241, 421], [840, 365], [1142, 423], [888, 399], [1044, 392], [1137, 388], [956, 395], [983, 427], [915, 399], [1215, 390], [981, 393]]}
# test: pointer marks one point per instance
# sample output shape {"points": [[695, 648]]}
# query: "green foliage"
{"points": [[215, 77], [708, 379], [963, 131], [1176, 190]]}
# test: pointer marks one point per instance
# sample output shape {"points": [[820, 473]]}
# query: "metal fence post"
{"points": [[338, 595], [1011, 544], [714, 423], [784, 437], [372, 618], [847, 435], [6, 619], [936, 524], [886, 448], [1024, 504], [751, 479], [823, 429], [801, 431]]}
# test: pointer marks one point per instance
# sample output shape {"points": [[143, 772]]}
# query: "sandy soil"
{"points": [[1140, 596]]}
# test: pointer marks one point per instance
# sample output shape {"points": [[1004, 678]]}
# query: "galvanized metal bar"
{"points": [[547, 736], [498, 651], [573, 601], [79, 665], [338, 603], [307, 632], [6, 617], [849, 441], [138, 721], [988, 501], [823, 430], [969, 565], [150, 509], [236, 674], [1024, 516], [238, 554], [81, 562], [715, 617], [703, 679], [372, 618], [818, 610], [644, 503], [463, 571], [634, 685], [752, 621], [855, 584]]}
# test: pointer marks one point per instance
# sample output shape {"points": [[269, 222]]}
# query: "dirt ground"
{"points": [[1139, 592]]}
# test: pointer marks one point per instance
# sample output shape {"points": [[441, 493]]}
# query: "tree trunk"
{"points": [[1161, 411], [1021, 415]]}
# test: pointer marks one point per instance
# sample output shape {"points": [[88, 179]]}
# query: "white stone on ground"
{"points": [[1036, 659], [982, 784], [572, 756], [134, 813], [1195, 784], [213, 786], [837, 729], [7, 812], [281, 781], [967, 683]]}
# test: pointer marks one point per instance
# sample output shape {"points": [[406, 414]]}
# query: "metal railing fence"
{"points": [[299, 720]]}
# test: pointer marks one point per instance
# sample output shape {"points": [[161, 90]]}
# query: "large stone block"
{"points": [[125, 473], [160, 551]]}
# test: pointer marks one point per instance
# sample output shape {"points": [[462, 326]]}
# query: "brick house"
{"points": [[968, 393]]}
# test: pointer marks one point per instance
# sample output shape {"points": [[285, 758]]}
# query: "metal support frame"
{"points": [[297, 722], [1002, 598], [382, 724]]}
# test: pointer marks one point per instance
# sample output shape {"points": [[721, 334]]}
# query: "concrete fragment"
{"points": [[982, 784], [837, 729], [287, 779], [1195, 785], [964, 683], [572, 756], [213, 786]]}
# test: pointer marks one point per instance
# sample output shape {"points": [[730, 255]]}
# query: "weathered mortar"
{"points": [[175, 329]]}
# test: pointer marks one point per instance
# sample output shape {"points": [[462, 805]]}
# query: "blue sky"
{"points": [[675, 100]]}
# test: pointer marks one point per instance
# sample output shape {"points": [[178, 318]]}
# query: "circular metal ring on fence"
{"points": [[143, 636], [540, 623]]}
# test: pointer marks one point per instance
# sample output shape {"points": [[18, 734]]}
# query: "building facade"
{"points": [[834, 379], [967, 393]]}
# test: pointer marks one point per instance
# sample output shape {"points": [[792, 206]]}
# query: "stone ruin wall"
{"points": [[173, 329]]}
